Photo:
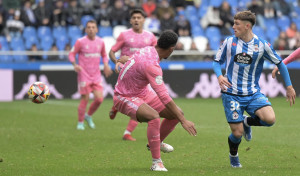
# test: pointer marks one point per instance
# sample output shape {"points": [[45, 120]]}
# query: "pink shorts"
{"points": [[129, 105], [86, 88]]}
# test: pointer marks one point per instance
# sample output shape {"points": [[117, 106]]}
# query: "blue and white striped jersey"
{"points": [[244, 63]]}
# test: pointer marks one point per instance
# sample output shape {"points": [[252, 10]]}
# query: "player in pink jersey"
{"points": [[90, 49], [292, 57], [133, 98], [129, 42]]}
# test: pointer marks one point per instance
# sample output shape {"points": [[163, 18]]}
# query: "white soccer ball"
{"points": [[38, 92]]}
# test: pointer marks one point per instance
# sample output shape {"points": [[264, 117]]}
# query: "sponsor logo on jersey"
{"points": [[243, 59], [159, 80], [235, 115]]}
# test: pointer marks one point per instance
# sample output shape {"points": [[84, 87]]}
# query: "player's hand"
{"points": [[77, 68], [123, 59], [275, 70], [189, 127], [118, 67], [290, 95], [107, 71], [223, 82]]}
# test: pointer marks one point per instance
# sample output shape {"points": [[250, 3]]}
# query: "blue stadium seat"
{"points": [[74, 31], [85, 19], [59, 31], [3, 41], [197, 31], [215, 3], [272, 33], [233, 3], [46, 43], [61, 42], [5, 58], [270, 22], [259, 32], [214, 42], [283, 23], [32, 40], [17, 43], [194, 21], [190, 11], [20, 58], [73, 39], [29, 31], [202, 10], [44, 31], [212, 32], [105, 31]]}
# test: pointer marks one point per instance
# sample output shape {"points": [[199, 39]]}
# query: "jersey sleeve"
{"points": [[104, 54], [154, 40], [119, 43], [270, 54], [154, 76], [221, 54], [75, 49], [293, 56]]}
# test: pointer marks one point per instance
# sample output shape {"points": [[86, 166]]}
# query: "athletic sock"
{"points": [[81, 109], [234, 143], [255, 121], [94, 106], [166, 127], [153, 135], [131, 125]]}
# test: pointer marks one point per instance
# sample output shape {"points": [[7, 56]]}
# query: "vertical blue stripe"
{"points": [[230, 66], [254, 58]]}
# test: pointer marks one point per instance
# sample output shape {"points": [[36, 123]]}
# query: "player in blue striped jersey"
{"points": [[243, 55]]}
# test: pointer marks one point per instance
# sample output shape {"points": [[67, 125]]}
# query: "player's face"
{"points": [[240, 28], [91, 30], [137, 21]]}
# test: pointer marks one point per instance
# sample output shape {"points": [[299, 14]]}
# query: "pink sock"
{"points": [[166, 127], [81, 109], [131, 125], [94, 106], [154, 137]]}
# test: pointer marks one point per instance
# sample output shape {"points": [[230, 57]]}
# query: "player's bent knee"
{"points": [[98, 100]]}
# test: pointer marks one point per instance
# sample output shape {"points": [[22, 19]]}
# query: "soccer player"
{"points": [[129, 42], [292, 57], [90, 49], [133, 98], [244, 55]]}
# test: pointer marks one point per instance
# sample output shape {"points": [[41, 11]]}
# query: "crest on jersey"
{"points": [[87, 46], [243, 59], [159, 80], [256, 47], [235, 115], [146, 40], [131, 40]]}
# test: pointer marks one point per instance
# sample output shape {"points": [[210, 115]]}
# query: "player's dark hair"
{"points": [[91, 21], [246, 16], [140, 11], [167, 39]]}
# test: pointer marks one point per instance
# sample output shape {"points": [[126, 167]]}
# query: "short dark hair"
{"points": [[140, 11], [167, 39], [246, 15], [91, 21]]}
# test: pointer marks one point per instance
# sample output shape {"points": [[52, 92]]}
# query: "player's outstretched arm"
{"points": [[290, 92], [186, 124]]}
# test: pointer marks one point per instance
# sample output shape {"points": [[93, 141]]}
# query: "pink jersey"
{"points": [[140, 70], [293, 56], [129, 42], [89, 54]]}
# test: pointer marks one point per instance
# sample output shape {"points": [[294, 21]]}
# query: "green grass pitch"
{"points": [[42, 140]]}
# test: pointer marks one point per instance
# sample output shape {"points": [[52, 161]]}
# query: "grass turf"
{"points": [[42, 140]]}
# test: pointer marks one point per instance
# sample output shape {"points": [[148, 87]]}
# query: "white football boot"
{"points": [[158, 166], [166, 148]]}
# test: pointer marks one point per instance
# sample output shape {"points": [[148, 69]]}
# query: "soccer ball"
{"points": [[38, 92]]}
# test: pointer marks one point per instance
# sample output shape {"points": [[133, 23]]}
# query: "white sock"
{"points": [[127, 132], [156, 160]]}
